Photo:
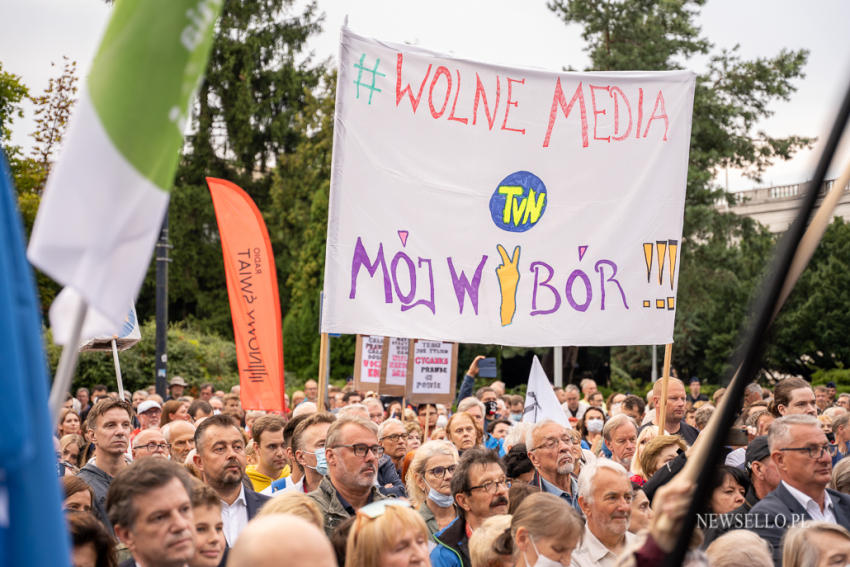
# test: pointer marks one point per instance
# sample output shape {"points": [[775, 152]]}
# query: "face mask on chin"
{"points": [[542, 560]]}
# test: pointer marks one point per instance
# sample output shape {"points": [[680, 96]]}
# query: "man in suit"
{"points": [[802, 456], [150, 508], [221, 461]]}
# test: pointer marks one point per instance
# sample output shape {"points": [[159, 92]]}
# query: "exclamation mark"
{"points": [[662, 253], [647, 255], [672, 246]]}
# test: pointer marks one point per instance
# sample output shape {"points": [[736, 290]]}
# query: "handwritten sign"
{"points": [[367, 362], [394, 366], [431, 370], [480, 203]]}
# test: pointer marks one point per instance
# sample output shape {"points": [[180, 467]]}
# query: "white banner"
{"points": [[541, 402], [486, 204]]}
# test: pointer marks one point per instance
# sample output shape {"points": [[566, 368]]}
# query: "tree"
{"points": [[256, 82], [721, 254]]}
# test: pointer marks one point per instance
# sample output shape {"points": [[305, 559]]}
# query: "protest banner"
{"points": [[480, 203], [431, 372], [367, 362], [394, 366], [541, 402], [252, 290]]}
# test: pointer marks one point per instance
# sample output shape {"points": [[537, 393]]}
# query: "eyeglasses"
{"points": [[815, 451], [492, 486], [440, 472], [360, 449], [395, 437], [552, 442], [151, 447]]}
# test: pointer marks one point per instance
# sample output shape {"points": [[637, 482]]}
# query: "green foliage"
{"points": [[196, 356], [722, 254]]}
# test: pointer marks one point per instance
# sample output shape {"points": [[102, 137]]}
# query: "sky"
{"points": [[34, 33]]}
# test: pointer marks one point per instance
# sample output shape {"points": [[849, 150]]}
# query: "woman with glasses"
{"points": [[544, 530], [429, 483], [387, 533]]}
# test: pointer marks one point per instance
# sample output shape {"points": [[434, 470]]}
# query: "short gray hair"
{"points": [[353, 409], [571, 388], [467, 403], [615, 423], [529, 433], [739, 547], [387, 422], [779, 433], [587, 476], [335, 430]]}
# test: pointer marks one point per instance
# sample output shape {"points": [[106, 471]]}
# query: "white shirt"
{"points": [[811, 507], [234, 517], [593, 553]]}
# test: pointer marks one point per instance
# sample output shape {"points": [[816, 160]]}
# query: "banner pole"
{"points": [[67, 363], [117, 369], [661, 411], [323, 372]]}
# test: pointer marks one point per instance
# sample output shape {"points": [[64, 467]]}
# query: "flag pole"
{"points": [[323, 372], [661, 412], [67, 363], [117, 369]]}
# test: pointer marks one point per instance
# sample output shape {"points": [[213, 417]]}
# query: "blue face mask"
{"points": [[516, 417], [321, 462], [440, 499]]}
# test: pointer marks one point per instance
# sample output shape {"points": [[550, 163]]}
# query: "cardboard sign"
{"points": [[367, 362], [394, 366], [486, 204], [432, 372]]}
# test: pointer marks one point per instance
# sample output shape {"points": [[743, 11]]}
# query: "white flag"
{"points": [[540, 399]]}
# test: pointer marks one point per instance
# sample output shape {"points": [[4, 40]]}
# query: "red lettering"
{"points": [[559, 100], [659, 101], [441, 71], [454, 104], [593, 89], [614, 91], [399, 92], [510, 103], [480, 92], [640, 113]]}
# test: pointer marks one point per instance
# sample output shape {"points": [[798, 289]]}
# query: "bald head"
{"points": [[281, 539]]}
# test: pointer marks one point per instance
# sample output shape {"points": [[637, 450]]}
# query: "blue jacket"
{"points": [[452, 546]]}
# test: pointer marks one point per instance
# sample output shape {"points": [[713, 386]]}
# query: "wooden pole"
{"points": [[661, 412], [323, 372]]}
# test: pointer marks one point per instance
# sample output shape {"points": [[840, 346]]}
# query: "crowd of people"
{"points": [[199, 482]]}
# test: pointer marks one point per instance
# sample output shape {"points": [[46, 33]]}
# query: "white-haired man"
{"points": [[620, 435], [550, 450], [605, 496]]}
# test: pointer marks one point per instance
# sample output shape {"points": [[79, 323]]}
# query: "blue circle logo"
{"points": [[519, 201]]}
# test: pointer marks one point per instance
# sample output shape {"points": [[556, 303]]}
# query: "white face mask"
{"points": [[594, 425], [542, 560]]}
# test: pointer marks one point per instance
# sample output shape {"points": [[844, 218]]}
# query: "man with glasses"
{"points": [[801, 452], [550, 450], [480, 489], [393, 438], [150, 443], [352, 453]]}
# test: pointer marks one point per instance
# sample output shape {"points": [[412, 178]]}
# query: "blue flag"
{"points": [[32, 526]]}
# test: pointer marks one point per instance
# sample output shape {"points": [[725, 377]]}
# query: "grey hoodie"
{"points": [[99, 482]]}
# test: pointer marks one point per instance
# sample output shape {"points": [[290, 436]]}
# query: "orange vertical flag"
{"points": [[252, 290]]}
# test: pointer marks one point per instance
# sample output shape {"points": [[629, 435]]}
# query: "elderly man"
{"points": [[108, 427], [480, 489], [176, 386], [393, 438], [675, 418], [269, 446], [149, 505], [620, 435], [150, 443], [605, 496], [282, 539], [841, 430], [220, 459], [376, 409], [205, 392], [149, 415], [572, 407], [181, 435], [550, 450], [802, 456], [352, 453]]}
